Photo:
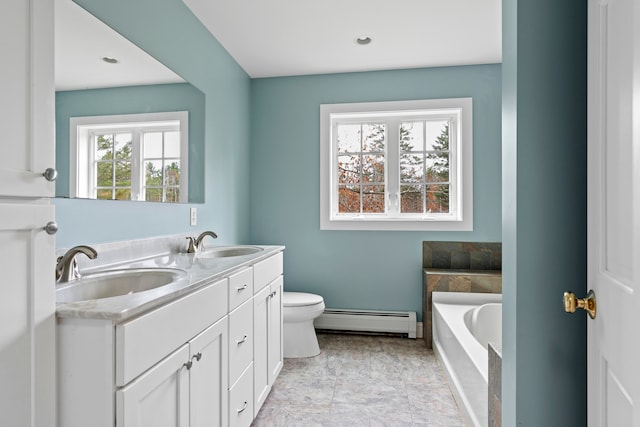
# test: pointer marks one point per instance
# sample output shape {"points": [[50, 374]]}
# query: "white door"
{"points": [[613, 357], [208, 397], [261, 384], [159, 397], [27, 106], [27, 307], [276, 350]]}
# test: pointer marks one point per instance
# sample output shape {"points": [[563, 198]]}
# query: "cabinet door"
{"points": [[27, 102], [27, 315], [159, 397], [261, 384], [276, 351], [208, 377]]}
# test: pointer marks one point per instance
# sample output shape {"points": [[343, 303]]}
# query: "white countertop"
{"points": [[200, 272]]}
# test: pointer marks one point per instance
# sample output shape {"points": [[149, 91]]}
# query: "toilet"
{"points": [[299, 309]]}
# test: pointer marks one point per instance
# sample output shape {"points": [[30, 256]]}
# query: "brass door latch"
{"points": [[588, 303]]}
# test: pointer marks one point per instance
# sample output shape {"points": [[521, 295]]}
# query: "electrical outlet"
{"points": [[193, 216]]}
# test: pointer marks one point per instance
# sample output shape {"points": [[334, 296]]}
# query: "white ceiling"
{"points": [[81, 40], [297, 37]]}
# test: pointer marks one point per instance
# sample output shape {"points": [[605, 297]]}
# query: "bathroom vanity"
{"points": [[202, 352]]}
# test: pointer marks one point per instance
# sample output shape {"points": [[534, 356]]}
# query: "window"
{"points": [[130, 157], [403, 165]]}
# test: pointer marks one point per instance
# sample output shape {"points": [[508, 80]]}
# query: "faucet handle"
{"points": [[192, 245]]}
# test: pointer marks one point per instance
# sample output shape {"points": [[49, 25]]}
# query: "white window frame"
{"points": [[460, 217], [81, 156]]}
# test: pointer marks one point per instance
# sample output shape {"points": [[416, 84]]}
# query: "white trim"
{"points": [[461, 220], [80, 129]]}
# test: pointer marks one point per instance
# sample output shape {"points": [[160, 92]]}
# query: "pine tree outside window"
{"points": [[397, 165]]}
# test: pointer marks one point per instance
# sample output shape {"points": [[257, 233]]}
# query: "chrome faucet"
{"points": [[67, 265], [195, 243]]}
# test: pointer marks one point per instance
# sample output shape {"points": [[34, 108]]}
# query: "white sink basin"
{"points": [[112, 283], [228, 251]]}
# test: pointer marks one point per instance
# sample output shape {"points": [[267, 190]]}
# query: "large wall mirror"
{"points": [[127, 127]]}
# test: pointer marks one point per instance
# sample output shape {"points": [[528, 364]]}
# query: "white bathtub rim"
{"points": [[451, 307], [469, 416], [467, 301]]}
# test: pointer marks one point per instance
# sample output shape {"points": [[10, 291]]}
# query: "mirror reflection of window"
{"points": [[130, 157]]}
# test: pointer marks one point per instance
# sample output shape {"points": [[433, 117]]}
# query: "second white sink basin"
{"points": [[228, 251], [112, 283]]}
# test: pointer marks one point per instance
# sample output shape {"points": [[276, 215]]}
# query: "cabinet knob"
{"points": [[50, 174], [243, 407], [197, 356], [242, 340], [188, 365], [51, 227], [241, 288]]}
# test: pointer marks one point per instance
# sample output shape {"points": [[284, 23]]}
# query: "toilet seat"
{"points": [[300, 299]]}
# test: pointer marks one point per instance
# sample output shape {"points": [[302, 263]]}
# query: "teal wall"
{"points": [[167, 30], [133, 100], [359, 269], [544, 211]]}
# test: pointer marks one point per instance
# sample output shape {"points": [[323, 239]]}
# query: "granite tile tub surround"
{"points": [[486, 281], [462, 255], [495, 385]]}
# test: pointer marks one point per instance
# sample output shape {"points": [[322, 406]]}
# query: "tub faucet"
{"points": [[67, 265], [195, 244]]}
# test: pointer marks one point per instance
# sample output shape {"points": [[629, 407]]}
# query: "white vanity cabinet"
{"points": [[206, 359], [267, 312], [167, 367]]}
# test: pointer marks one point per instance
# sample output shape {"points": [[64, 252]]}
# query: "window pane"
{"points": [[373, 199], [172, 144], [411, 168], [437, 135], [152, 145], [104, 194], [437, 167], [172, 173], [349, 199], [104, 147], [153, 173], [373, 168], [104, 176], [411, 199], [123, 146], [438, 198], [123, 174], [348, 169], [153, 194], [349, 137], [411, 136], [373, 137], [173, 195], [123, 194]]}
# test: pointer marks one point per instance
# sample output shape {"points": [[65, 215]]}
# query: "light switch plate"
{"points": [[193, 216]]}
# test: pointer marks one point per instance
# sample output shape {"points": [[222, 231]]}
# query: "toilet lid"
{"points": [[299, 299]]}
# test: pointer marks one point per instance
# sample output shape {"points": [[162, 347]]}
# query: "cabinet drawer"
{"points": [[240, 288], [240, 340], [265, 271], [241, 400], [143, 341]]}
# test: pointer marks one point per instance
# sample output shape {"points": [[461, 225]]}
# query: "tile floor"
{"points": [[360, 380]]}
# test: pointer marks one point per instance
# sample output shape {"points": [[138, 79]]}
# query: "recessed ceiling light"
{"points": [[363, 40], [109, 60]]}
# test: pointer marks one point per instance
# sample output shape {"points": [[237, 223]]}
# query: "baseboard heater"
{"points": [[399, 322]]}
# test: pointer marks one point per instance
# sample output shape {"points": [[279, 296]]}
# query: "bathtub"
{"points": [[463, 325]]}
